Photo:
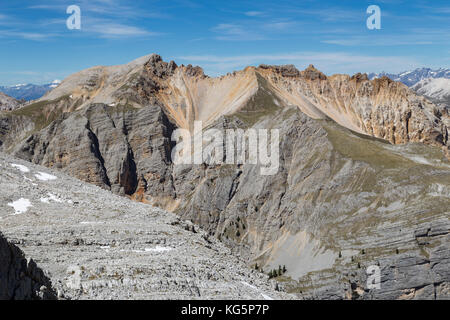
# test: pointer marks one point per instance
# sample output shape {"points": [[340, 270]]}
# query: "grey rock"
{"points": [[20, 277]]}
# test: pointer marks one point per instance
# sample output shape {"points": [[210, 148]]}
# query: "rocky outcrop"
{"points": [[338, 191], [7, 103], [20, 277]]}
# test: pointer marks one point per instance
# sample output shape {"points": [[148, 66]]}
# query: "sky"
{"points": [[36, 45]]}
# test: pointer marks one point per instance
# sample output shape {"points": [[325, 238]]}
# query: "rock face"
{"points": [[7, 103], [21, 278], [343, 199], [97, 245]]}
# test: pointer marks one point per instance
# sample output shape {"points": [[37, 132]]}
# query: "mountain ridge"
{"points": [[188, 94]]}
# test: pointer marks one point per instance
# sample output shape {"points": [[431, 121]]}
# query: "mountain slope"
{"points": [[100, 246], [112, 126]]}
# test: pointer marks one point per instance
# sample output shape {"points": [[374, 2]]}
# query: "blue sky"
{"points": [[221, 36]]}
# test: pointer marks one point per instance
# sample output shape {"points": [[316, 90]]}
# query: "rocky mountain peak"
{"points": [[359, 77], [288, 70], [156, 66], [312, 73]]}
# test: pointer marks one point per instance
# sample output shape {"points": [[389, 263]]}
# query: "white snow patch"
{"points": [[22, 168], [20, 206], [45, 176]]}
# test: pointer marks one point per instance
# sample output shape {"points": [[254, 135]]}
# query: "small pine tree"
{"points": [[238, 234], [363, 252], [340, 254], [284, 269], [359, 265], [256, 266]]}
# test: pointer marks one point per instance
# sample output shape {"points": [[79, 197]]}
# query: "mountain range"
{"points": [[363, 179], [410, 78], [28, 92]]}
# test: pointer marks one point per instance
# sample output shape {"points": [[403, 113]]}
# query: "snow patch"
{"points": [[45, 176], [20, 206], [22, 168]]}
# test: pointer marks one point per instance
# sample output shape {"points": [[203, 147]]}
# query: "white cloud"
{"points": [[236, 32], [254, 13], [115, 30]]}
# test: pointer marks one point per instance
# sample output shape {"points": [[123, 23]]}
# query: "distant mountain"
{"points": [[412, 77], [437, 90], [29, 91]]}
